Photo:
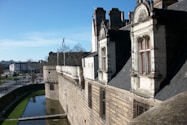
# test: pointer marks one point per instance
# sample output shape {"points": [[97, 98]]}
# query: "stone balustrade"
{"points": [[73, 71]]}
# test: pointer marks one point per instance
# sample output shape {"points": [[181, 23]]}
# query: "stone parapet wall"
{"points": [[71, 70], [10, 100], [119, 106]]}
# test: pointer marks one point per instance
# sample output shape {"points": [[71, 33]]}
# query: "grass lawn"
{"points": [[4, 79], [19, 109]]}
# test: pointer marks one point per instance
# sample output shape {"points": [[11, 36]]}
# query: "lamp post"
{"points": [[64, 53], [57, 57]]}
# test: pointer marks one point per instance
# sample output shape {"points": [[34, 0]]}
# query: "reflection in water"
{"points": [[36, 107], [54, 107], [34, 99], [40, 106]]}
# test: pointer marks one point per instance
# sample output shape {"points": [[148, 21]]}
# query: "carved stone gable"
{"points": [[103, 31], [141, 13]]}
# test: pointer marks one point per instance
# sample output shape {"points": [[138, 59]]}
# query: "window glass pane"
{"points": [[144, 55], [103, 58], [148, 62]]}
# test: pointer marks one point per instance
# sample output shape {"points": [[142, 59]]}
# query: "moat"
{"points": [[40, 106]]}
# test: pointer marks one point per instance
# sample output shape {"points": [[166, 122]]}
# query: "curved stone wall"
{"points": [[9, 100], [51, 82]]}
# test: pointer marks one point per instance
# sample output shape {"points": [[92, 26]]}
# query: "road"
{"points": [[10, 85]]}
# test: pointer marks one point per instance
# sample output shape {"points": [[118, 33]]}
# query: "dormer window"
{"points": [[144, 55]]}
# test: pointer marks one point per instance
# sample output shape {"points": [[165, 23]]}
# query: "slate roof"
{"points": [[93, 54], [127, 27], [117, 35], [177, 85], [170, 17], [71, 58], [171, 112], [180, 6], [123, 79]]}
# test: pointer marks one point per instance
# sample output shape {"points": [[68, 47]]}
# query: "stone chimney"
{"points": [[115, 19], [99, 15]]}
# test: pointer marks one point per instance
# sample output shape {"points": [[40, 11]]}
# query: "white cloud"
{"points": [[35, 42], [47, 39], [36, 45]]}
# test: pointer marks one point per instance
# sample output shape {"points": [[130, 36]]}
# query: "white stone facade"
{"points": [[107, 62], [90, 65], [148, 53]]}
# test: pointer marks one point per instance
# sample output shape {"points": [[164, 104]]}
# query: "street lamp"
{"points": [[64, 53]]}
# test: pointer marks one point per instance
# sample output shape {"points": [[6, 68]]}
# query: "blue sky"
{"points": [[30, 29]]}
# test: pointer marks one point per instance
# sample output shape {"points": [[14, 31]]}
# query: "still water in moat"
{"points": [[39, 106]]}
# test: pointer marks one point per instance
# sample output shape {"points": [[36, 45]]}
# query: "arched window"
{"points": [[144, 55]]}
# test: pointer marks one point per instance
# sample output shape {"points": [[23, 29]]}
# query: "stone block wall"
{"points": [[119, 104], [51, 82]]}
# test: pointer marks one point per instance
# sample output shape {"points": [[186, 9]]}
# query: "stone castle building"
{"points": [[135, 68]]}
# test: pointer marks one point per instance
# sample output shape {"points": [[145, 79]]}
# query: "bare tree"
{"points": [[65, 48], [29, 60], [78, 48]]}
